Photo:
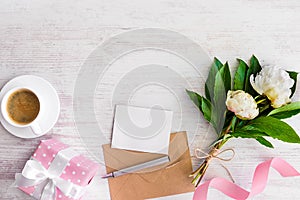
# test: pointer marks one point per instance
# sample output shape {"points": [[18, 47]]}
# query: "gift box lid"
{"points": [[79, 170]]}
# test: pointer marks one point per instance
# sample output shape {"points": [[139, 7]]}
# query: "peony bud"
{"points": [[242, 104]]}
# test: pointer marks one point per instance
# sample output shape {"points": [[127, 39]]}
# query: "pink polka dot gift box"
{"points": [[55, 171]]}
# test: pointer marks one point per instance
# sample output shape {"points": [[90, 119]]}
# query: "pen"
{"points": [[135, 168]]}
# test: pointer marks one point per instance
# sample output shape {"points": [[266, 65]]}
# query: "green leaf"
{"points": [[274, 128], [264, 142], [210, 81], [240, 76], [226, 76], [222, 85], [196, 98], [233, 123], [203, 104], [248, 134], [293, 76], [254, 68], [254, 65], [206, 109], [259, 136], [286, 111]]}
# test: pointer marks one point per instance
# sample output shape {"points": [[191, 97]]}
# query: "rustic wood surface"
{"points": [[53, 39]]}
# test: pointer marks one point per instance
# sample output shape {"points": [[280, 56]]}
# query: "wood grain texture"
{"points": [[52, 39]]}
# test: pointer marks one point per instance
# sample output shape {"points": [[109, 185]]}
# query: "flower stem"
{"points": [[261, 101], [200, 171], [264, 108]]}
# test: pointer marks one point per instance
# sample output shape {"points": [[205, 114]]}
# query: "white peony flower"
{"points": [[242, 104], [275, 83]]}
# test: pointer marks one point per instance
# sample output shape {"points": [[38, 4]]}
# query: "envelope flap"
{"points": [[117, 159]]}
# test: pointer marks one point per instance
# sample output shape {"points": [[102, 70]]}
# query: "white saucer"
{"points": [[48, 95]]}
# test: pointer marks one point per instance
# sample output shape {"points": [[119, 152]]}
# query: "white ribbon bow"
{"points": [[46, 180]]}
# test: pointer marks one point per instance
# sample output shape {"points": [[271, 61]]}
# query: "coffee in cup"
{"points": [[21, 108]]}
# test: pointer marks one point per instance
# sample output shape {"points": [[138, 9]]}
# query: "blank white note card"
{"points": [[142, 129]]}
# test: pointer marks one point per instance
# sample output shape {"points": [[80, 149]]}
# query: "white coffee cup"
{"points": [[34, 125]]}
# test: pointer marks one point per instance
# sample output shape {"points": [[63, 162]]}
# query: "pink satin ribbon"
{"points": [[259, 181]]}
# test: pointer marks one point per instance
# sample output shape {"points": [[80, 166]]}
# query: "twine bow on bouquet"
{"points": [[252, 105]]}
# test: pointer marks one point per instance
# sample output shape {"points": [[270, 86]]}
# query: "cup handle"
{"points": [[35, 127]]}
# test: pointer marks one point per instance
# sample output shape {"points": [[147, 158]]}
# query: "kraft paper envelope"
{"points": [[167, 179]]}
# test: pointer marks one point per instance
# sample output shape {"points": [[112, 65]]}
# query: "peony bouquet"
{"points": [[252, 105]]}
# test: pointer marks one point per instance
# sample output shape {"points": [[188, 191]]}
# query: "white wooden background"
{"points": [[52, 39]]}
